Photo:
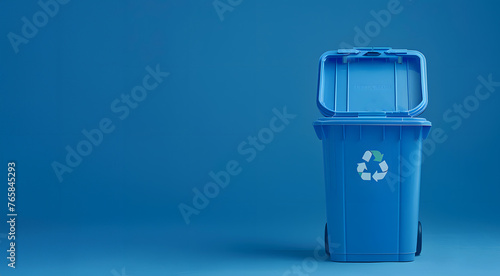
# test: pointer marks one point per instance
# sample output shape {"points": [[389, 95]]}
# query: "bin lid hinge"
{"points": [[348, 51], [396, 52]]}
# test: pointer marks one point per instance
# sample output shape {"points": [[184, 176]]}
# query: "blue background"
{"points": [[117, 212]]}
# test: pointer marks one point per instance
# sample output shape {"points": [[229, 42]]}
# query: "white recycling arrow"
{"points": [[361, 167], [366, 176], [363, 170], [378, 176], [383, 166], [367, 156]]}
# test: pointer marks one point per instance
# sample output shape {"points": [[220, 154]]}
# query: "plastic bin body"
{"points": [[372, 155], [372, 220]]}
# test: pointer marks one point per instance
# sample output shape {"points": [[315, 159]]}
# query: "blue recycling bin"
{"points": [[372, 148]]}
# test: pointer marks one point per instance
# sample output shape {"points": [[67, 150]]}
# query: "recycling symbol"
{"points": [[377, 157]]}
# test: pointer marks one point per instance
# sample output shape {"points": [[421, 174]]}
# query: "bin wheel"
{"points": [[419, 239], [327, 248]]}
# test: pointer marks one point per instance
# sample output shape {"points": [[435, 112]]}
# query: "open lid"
{"points": [[372, 81]]}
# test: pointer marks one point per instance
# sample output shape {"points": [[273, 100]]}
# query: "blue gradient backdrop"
{"points": [[117, 212]]}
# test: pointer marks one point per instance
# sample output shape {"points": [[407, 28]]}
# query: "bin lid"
{"points": [[372, 81]]}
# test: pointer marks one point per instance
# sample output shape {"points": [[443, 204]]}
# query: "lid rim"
{"points": [[388, 121]]}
